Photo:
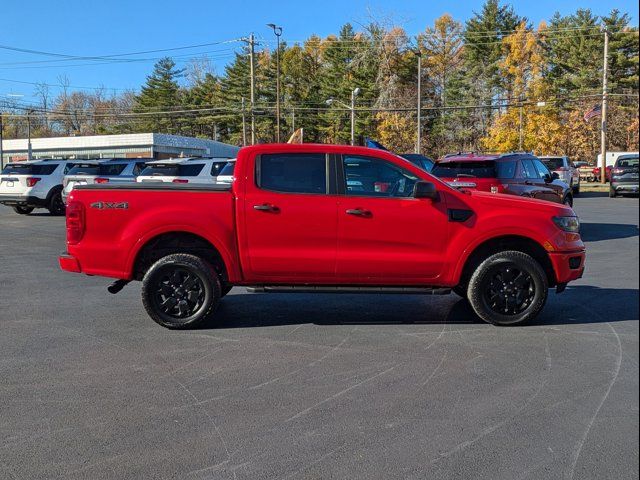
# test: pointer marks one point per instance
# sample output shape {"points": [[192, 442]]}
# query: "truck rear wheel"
{"points": [[180, 291], [56, 205], [508, 288]]}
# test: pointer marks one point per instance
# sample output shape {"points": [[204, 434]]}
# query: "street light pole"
{"points": [[603, 122], [277, 31], [352, 109]]}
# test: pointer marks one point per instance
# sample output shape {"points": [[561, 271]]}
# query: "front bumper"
{"points": [[568, 266], [630, 187], [69, 263], [23, 201]]}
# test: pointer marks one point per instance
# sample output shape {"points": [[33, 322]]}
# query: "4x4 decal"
{"points": [[110, 205]]}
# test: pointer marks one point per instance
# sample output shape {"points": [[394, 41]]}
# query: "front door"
{"points": [[385, 236], [290, 222]]}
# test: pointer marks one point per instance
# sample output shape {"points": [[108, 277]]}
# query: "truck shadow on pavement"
{"points": [[577, 305], [596, 232]]}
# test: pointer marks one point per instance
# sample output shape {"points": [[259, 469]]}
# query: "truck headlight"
{"points": [[568, 224]]}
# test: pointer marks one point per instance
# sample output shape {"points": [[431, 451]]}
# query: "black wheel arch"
{"points": [[178, 242], [503, 243]]}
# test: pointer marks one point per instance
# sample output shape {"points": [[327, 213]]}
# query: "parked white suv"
{"points": [[34, 184], [566, 170], [114, 170], [179, 170]]}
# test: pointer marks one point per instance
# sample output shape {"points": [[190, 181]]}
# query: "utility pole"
{"points": [[277, 31], [603, 120], [1, 151], [244, 125], [419, 116], [521, 132], [252, 44], [29, 134], [354, 94]]}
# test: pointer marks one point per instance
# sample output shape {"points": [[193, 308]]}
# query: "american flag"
{"points": [[594, 111]]}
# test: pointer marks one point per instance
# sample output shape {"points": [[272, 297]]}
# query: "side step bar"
{"points": [[347, 289]]}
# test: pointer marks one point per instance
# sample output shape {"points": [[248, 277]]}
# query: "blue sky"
{"points": [[94, 28]]}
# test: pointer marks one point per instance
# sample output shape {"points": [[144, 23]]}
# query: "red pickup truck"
{"points": [[322, 218]]}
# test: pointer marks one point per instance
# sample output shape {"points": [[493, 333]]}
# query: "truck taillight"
{"points": [[180, 180], [75, 222], [101, 180], [31, 181]]}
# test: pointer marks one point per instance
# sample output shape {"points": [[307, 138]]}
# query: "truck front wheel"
{"points": [[508, 288], [180, 291]]}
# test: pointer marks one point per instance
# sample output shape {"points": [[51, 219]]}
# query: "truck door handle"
{"points": [[265, 207], [358, 212]]}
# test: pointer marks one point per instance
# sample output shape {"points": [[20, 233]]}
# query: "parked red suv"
{"points": [[513, 173], [322, 218]]}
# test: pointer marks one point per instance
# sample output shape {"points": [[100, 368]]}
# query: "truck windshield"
{"points": [[111, 169], [480, 169]]}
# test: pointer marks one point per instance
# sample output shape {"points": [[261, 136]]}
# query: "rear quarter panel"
{"points": [[114, 236]]}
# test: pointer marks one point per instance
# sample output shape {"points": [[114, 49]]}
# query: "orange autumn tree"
{"points": [[523, 69]]}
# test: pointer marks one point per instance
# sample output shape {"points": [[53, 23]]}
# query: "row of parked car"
{"points": [[48, 183]]}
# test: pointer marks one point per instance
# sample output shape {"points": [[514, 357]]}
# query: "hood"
{"points": [[520, 203]]}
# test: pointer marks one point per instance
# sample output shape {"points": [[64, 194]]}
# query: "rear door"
{"points": [[385, 236], [290, 223]]}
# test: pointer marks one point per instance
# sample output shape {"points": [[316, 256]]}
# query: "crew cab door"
{"points": [[385, 236], [290, 222]]}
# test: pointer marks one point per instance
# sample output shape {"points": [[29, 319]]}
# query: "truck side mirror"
{"points": [[424, 189], [555, 176]]}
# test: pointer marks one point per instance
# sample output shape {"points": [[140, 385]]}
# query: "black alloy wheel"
{"points": [[180, 291], [510, 290]]}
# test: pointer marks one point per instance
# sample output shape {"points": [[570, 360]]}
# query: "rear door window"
{"points": [[216, 168], [479, 169], [189, 169], [159, 170], [111, 169], [506, 169], [43, 169], [228, 169], [292, 172], [86, 169]]}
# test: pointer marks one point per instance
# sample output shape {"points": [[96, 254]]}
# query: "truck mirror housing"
{"points": [[425, 190]]}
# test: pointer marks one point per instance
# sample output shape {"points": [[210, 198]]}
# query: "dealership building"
{"points": [[137, 145]]}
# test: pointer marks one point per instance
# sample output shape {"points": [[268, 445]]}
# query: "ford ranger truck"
{"points": [[322, 218]]}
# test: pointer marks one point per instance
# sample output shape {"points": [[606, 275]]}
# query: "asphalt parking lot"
{"points": [[318, 386]]}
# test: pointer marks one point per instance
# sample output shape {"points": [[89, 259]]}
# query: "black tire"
{"points": [[56, 205], [224, 290], [516, 275], [612, 193], [180, 291], [568, 201], [576, 190], [22, 210]]}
